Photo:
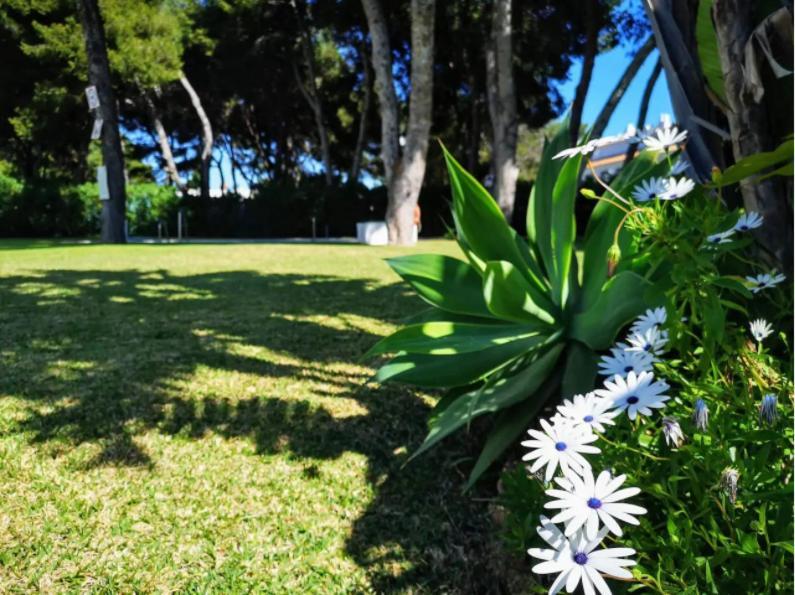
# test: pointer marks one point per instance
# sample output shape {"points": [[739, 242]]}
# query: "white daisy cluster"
{"points": [[589, 507], [669, 188]]}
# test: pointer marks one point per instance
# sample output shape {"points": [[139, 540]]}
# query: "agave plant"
{"points": [[519, 322]]}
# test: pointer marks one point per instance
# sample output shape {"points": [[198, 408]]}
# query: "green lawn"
{"points": [[196, 418]]}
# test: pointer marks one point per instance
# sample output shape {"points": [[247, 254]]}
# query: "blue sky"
{"points": [[608, 68]]}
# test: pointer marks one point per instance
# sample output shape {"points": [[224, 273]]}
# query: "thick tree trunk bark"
{"points": [[114, 209], [750, 130], [502, 107], [310, 90], [591, 48], [673, 24], [623, 84], [404, 174], [644, 107], [165, 145], [384, 88], [367, 84], [207, 135]]}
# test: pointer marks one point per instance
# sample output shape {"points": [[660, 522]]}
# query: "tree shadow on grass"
{"points": [[105, 350]]}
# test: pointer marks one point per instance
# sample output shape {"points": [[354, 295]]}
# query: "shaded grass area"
{"points": [[197, 418]]}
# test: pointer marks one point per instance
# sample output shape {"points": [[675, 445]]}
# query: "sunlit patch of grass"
{"points": [[197, 418]]}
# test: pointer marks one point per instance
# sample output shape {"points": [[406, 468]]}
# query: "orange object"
{"points": [[417, 215]]}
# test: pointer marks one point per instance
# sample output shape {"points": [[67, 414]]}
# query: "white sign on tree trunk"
{"points": [[96, 131], [102, 181], [93, 97]]}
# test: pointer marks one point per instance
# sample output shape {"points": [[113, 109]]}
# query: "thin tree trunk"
{"points": [[618, 92], [114, 209], [404, 174], [207, 135], [644, 107], [310, 90], [750, 129], [165, 145], [591, 48], [361, 136], [502, 107]]}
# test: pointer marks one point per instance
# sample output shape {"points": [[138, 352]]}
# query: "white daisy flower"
{"points": [[561, 444], [637, 394], [652, 341], [585, 149], [588, 410], [590, 501], [747, 221], [677, 188], [623, 362], [648, 319], [761, 329], [723, 237], [662, 139], [764, 281], [680, 167], [650, 189], [577, 560]]}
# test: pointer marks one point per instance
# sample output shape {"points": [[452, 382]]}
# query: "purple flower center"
{"points": [[743, 227], [632, 400], [594, 503], [627, 369], [580, 558], [560, 446], [588, 419], [647, 347]]}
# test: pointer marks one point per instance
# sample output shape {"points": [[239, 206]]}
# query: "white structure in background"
{"points": [[375, 233], [608, 159], [244, 193]]}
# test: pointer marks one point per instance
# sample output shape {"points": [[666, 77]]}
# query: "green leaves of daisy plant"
{"points": [[510, 325]]}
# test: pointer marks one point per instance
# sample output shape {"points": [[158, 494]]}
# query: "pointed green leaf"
{"points": [[708, 54], [580, 370], [621, 300], [509, 295], [563, 228], [444, 371], [482, 226], [508, 427], [506, 392], [448, 338], [444, 282]]}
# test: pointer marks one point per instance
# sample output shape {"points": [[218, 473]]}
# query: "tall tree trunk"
{"points": [[113, 210], [165, 145], [502, 107], [404, 173], [673, 24], [367, 84], [384, 89], [750, 129], [591, 48], [644, 107], [207, 135], [618, 92], [310, 90]]}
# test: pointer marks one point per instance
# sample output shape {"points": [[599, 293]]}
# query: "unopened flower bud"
{"points": [[701, 415], [767, 410], [672, 432], [613, 256], [728, 481]]}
